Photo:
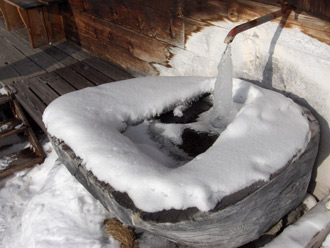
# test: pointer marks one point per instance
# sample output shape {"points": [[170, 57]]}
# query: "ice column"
{"points": [[223, 107]]}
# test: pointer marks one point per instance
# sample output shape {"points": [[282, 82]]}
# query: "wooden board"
{"points": [[59, 55], [316, 7], [11, 127], [53, 22], [93, 75], [108, 69], [33, 20], [20, 160], [213, 11], [38, 56], [17, 60], [41, 89], [4, 99], [153, 22], [25, 4], [10, 15], [57, 83], [136, 44], [74, 78], [73, 50], [30, 102], [133, 65]]}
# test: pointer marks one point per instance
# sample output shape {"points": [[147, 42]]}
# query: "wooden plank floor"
{"points": [[40, 75]]}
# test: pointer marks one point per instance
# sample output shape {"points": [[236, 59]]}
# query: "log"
{"points": [[238, 219]]}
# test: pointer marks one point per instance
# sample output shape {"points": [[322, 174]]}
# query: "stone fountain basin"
{"points": [[220, 198]]}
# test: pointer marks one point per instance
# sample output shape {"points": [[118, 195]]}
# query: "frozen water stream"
{"points": [[223, 106]]}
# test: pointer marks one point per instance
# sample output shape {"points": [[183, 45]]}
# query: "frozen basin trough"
{"points": [[126, 142]]}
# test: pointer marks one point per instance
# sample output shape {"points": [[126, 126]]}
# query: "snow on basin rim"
{"points": [[268, 131]]}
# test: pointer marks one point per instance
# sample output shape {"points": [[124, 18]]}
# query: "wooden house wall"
{"points": [[136, 34]]}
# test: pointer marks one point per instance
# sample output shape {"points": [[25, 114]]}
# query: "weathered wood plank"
{"points": [[41, 58], [74, 78], [33, 20], [30, 102], [162, 25], [56, 83], [23, 33], [4, 99], [319, 7], [42, 90], [53, 22], [59, 55], [23, 65], [72, 50], [11, 16], [25, 4], [108, 69], [140, 46], [242, 11], [8, 73], [49, 2], [126, 61], [11, 127], [20, 160], [93, 75]]}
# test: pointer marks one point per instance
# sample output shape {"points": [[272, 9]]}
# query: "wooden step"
{"points": [[18, 161], [4, 99], [11, 127]]}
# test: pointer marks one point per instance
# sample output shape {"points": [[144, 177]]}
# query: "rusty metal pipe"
{"points": [[285, 10]]}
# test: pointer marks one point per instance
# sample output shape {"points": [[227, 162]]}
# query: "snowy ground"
{"points": [[47, 207]]}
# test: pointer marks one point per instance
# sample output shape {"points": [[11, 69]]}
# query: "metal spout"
{"points": [[284, 11]]}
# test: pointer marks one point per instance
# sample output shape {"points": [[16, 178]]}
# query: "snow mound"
{"points": [[268, 131]]}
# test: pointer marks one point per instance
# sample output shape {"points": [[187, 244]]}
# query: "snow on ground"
{"points": [[91, 120], [46, 207]]}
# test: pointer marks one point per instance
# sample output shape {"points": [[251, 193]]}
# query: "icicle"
{"points": [[223, 107]]}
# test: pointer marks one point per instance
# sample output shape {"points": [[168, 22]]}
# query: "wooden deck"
{"points": [[40, 75]]}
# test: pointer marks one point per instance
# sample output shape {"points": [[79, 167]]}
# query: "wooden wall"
{"points": [[136, 34]]}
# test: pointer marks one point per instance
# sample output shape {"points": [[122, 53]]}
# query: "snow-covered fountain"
{"points": [[202, 161], [113, 140]]}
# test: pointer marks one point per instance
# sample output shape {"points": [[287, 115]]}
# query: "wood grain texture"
{"points": [[54, 23], [21, 160], [25, 4], [58, 84], [41, 89], [17, 60], [10, 127], [93, 75], [74, 78], [211, 11], [136, 44], [161, 24], [11, 16], [238, 219], [30, 102], [108, 69], [38, 56], [133, 65]]}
